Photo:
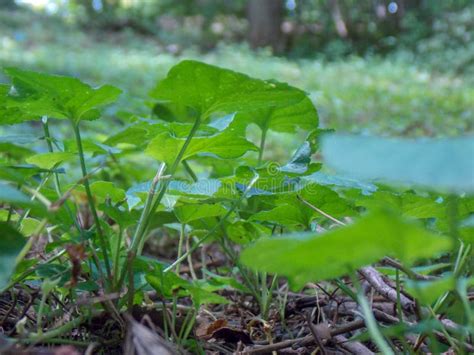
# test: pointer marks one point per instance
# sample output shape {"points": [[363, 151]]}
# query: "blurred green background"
{"points": [[403, 67]]}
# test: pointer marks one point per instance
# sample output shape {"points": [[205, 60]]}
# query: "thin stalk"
{"points": [[262, 145], [137, 242], [321, 212], [27, 212], [189, 326], [117, 255], [175, 164], [57, 184], [139, 231], [217, 226], [189, 170], [37, 338], [90, 198], [370, 321], [372, 327], [154, 202], [180, 244], [131, 281], [190, 261]]}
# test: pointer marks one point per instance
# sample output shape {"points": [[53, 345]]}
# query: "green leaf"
{"points": [[102, 190], [201, 296], [441, 164], [49, 160], [243, 232], [408, 204], [9, 194], [11, 243], [191, 212], [313, 257], [299, 162], [290, 211], [168, 284], [227, 145], [340, 182], [213, 91], [10, 115], [39, 94], [285, 215], [427, 292]]}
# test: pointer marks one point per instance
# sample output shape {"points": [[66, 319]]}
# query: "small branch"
{"points": [[354, 347], [321, 212], [314, 331], [309, 339], [375, 280]]}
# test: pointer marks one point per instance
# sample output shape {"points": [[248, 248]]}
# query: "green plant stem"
{"points": [[139, 231], [180, 244], [153, 202], [57, 184], [190, 171], [27, 212], [175, 164], [37, 338], [215, 228], [374, 331], [117, 255], [102, 241], [138, 236], [369, 319], [262, 145]]}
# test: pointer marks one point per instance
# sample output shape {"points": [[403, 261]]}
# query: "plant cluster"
{"points": [[77, 261]]}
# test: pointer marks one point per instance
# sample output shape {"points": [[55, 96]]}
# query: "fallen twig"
{"points": [[375, 280]]}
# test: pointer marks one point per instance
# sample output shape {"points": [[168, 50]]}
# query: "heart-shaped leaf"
{"points": [[227, 144], [441, 164], [314, 257], [39, 94], [49, 160], [215, 92]]}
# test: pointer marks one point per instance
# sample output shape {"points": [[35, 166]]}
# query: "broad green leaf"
{"points": [[49, 160], [312, 257], [290, 211], [243, 232], [122, 217], [440, 164], [28, 225], [10, 115], [227, 145], [168, 284], [11, 243], [102, 190], [407, 204], [39, 94], [201, 189], [299, 162], [9, 194], [427, 292], [201, 296], [285, 215], [213, 91], [191, 212], [466, 230], [340, 181]]}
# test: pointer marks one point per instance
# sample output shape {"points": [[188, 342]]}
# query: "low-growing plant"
{"points": [[187, 171]]}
